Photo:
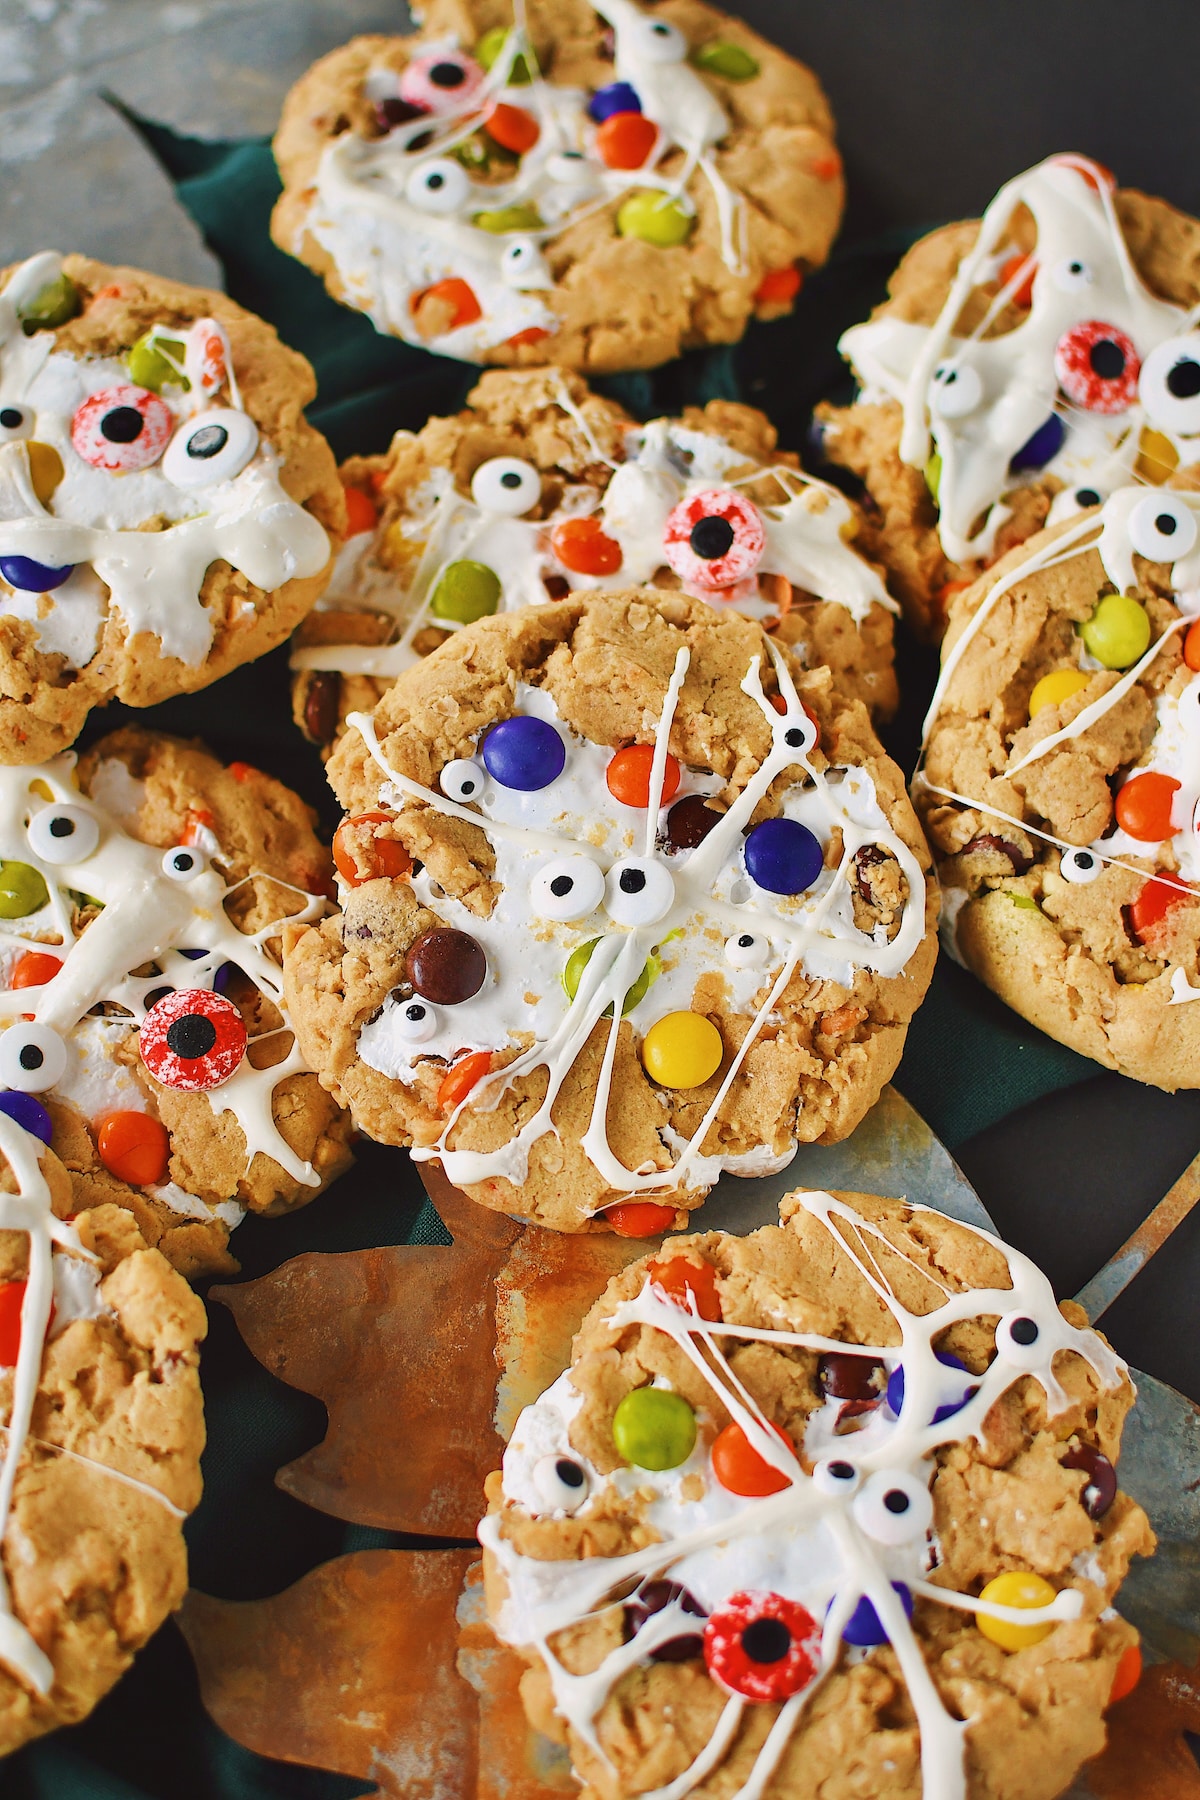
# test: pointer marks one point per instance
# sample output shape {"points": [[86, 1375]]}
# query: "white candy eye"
{"points": [[747, 950], [522, 264], [836, 1476], [16, 422], [955, 391], [416, 1021], [462, 779], [802, 736], [562, 1482], [214, 446], [1019, 1341], [1169, 385], [1162, 527], [570, 887], [893, 1507], [506, 484], [1071, 276], [440, 186], [183, 863], [1080, 865], [32, 1058], [1073, 501], [657, 41], [569, 166], [638, 891], [63, 834]]}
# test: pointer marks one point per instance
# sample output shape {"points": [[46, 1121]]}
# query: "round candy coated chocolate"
{"points": [[57, 302], [1021, 1588], [689, 822], [1118, 632], [616, 97], [466, 591], [156, 363], [489, 48], [682, 1050], [1041, 448], [783, 856], [22, 890], [863, 1627], [1056, 687], [445, 966], [578, 961], [729, 61], [524, 753], [28, 1113], [521, 216], [33, 577], [895, 1388], [849, 1377], [654, 1428], [933, 476], [1100, 1488], [655, 218], [652, 1597]]}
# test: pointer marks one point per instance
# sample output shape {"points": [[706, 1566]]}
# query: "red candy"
{"points": [[688, 1284], [779, 287], [1153, 904], [35, 969], [192, 1040], [1097, 367], [714, 539], [12, 1298], [740, 1469], [762, 1646], [122, 428], [1143, 806], [628, 775]]}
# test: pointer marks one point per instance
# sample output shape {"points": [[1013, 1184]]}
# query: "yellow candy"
{"points": [[45, 469], [1157, 457], [1056, 687], [682, 1050], [1016, 1588]]}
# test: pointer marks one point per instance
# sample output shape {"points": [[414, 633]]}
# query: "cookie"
{"points": [[1023, 365], [141, 896], [805, 1502], [629, 899], [598, 187], [101, 1442], [539, 488], [166, 512]]}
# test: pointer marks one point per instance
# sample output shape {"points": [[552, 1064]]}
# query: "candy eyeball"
{"points": [[801, 736], [1096, 366], [571, 167], [522, 264], [836, 1476], [461, 779], [955, 391], [714, 539], [32, 1057], [440, 186], [747, 950], [416, 1021], [63, 834], [1072, 501], [1162, 527], [1020, 1341], [568, 888], [656, 41], [441, 81], [183, 863], [1169, 385], [122, 428], [1071, 276], [16, 423], [893, 1507], [638, 891], [213, 446], [506, 484], [1080, 866], [562, 1482]]}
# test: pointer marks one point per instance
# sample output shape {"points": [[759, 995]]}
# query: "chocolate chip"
{"points": [[321, 706]]}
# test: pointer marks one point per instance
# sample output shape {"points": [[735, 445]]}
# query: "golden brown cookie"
{"points": [[102, 1434], [153, 878], [540, 487], [166, 511], [600, 191], [633, 805], [1022, 366], [740, 1557]]}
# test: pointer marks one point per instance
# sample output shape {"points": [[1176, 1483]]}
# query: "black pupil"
{"points": [[1107, 359], [569, 1473], [510, 479], [1024, 1331], [949, 375], [191, 1036], [208, 441], [711, 537], [121, 424], [746, 940], [896, 1500], [632, 881], [31, 1057], [1166, 523], [446, 75], [11, 417], [794, 737], [1083, 860], [435, 181], [1087, 497], [1183, 382], [1077, 268], [415, 1013], [842, 1471], [61, 828], [182, 862], [766, 1640], [561, 885]]}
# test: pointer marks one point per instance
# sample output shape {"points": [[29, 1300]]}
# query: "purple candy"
{"points": [[783, 856], [863, 1627], [524, 753], [616, 97], [29, 1114], [895, 1388], [221, 978], [1042, 447], [33, 577]]}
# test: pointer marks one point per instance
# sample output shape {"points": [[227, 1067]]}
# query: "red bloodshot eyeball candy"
{"points": [[689, 1285], [762, 1646], [1097, 367], [1143, 806], [122, 428], [192, 1040], [441, 81], [714, 539], [134, 1147], [583, 546], [740, 1469], [628, 776]]}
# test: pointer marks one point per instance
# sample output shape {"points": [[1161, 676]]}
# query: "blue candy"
{"points": [[33, 577], [783, 856], [863, 1627], [524, 753], [29, 1114], [221, 978], [1042, 447], [617, 97], [895, 1388]]}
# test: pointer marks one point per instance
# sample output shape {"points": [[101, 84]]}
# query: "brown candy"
{"points": [[445, 966], [1100, 1489], [321, 706], [848, 1377], [651, 1598], [689, 822]]}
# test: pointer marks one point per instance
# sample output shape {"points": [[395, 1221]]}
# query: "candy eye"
{"points": [[416, 1021], [214, 446], [32, 1058], [955, 391], [183, 863], [836, 1476], [638, 891], [506, 484], [441, 81], [714, 539], [746, 950], [568, 888], [1162, 527], [657, 41], [1169, 387], [441, 186], [1071, 276], [561, 1482], [523, 265], [1097, 367], [122, 428], [1019, 1341], [568, 166], [1073, 501], [1080, 866], [893, 1507], [63, 834], [16, 422], [192, 1040], [461, 779]]}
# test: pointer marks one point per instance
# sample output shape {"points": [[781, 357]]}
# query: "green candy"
{"points": [[57, 302], [1024, 902], [149, 365], [654, 1429], [520, 217], [488, 49], [473, 153], [933, 475], [467, 591], [22, 891], [729, 61], [1118, 632], [578, 961], [655, 218]]}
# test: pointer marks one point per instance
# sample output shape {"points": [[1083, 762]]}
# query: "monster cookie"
{"points": [[166, 513], [144, 1033], [829, 1509], [1024, 365], [597, 186], [540, 487], [1061, 780], [628, 899], [99, 1446]]}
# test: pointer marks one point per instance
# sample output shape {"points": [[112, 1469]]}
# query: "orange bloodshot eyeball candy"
{"points": [[1143, 806], [582, 546], [134, 1147], [740, 1469], [628, 775], [382, 856], [35, 969], [688, 1284]]}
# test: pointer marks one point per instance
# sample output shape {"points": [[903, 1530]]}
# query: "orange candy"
{"points": [[639, 1218], [582, 546], [778, 286], [461, 1077], [827, 168], [739, 1468], [1153, 904], [1023, 295], [1191, 646], [360, 511], [1143, 806], [1129, 1673], [458, 295], [678, 1278], [625, 140], [242, 771], [134, 1147], [387, 857], [198, 819], [12, 1298], [532, 334], [35, 969], [512, 128], [628, 776]]}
